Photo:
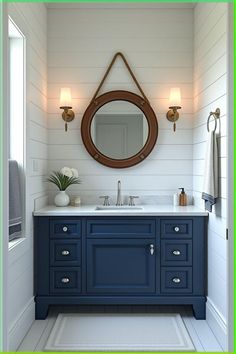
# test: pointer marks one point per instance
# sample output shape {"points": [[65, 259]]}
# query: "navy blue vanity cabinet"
{"points": [[120, 260], [121, 256]]}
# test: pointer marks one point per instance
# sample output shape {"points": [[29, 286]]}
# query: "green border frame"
{"points": [[1, 176], [2, 147]]}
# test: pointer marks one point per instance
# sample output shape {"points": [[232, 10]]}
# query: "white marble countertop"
{"points": [[147, 210]]}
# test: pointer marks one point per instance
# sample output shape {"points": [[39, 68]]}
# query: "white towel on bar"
{"points": [[210, 183]]}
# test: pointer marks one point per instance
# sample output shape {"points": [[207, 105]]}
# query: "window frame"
{"points": [[22, 166]]}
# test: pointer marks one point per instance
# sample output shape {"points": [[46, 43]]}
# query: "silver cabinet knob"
{"points": [[151, 247], [176, 229], [65, 280], [65, 252], [176, 280], [176, 252], [65, 228]]}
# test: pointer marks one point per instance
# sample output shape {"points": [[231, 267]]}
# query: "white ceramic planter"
{"points": [[62, 199]]}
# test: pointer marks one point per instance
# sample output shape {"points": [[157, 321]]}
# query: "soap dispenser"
{"points": [[182, 197]]}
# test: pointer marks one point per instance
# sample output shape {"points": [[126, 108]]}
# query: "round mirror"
{"points": [[119, 129]]}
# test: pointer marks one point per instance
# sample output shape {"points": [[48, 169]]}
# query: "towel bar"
{"points": [[216, 115]]}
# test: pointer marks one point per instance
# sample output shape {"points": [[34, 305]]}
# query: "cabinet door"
{"points": [[120, 266]]}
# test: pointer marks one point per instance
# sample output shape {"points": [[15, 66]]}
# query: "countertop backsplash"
{"points": [[93, 199]]}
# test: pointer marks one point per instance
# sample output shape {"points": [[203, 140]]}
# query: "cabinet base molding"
{"points": [[42, 303]]}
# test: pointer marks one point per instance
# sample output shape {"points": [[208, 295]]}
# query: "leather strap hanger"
{"points": [[129, 70]]}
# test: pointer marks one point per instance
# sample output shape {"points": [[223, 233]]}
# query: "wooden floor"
{"points": [[200, 333]]}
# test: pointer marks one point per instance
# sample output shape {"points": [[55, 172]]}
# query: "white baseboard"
{"points": [[21, 326], [217, 323]]}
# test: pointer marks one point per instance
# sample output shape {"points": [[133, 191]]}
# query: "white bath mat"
{"points": [[119, 332]]}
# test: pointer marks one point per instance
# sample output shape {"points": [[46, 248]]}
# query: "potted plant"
{"points": [[63, 179]]}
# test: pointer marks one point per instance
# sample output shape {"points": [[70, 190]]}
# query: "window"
{"points": [[16, 129]]}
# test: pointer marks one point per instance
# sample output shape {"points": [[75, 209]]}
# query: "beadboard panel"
{"points": [[37, 114], [201, 114], [210, 92], [100, 59], [211, 20], [148, 167], [98, 29], [79, 106], [73, 137], [32, 21], [201, 14], [153, 91], [81, 44], [121, 16], [19, 298], [211, 56], [38, 132], [119, 75], [160, 152], [131, 182], [55, 122], [211, 37], [38, 149]]}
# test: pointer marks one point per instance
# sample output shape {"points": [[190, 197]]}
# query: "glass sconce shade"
{"points": [[175, 97], [65, 97]]}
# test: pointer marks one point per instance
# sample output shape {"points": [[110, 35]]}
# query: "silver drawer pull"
{"points": [[176, 229], [65, 228], [176, 280], [151, 249], [176, 252], [65, 280], [65, 253]]}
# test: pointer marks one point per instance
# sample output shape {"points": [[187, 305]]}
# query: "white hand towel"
{"points": [[210, 182]]}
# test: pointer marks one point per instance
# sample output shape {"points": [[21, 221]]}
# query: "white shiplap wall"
{"points": [[210, 92], [31, 18], [158, 44]]}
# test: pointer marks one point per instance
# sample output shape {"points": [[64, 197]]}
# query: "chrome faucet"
{"points": [[119, 201]]}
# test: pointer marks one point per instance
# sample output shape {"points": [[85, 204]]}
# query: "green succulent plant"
{"points": [[62, 181]]}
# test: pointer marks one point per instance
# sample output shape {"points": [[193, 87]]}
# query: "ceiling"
{"points": [[126, 5]]}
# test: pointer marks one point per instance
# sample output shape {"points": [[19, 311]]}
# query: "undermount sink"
{"points": [[118, 207]]}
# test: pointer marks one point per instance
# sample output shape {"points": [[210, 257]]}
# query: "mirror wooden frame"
{"points": [[119, 95]]}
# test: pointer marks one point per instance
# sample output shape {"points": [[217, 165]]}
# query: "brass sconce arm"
{"points": [[173, 115], [68, 115]]}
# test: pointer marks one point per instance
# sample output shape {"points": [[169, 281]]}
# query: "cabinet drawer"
{"points": [[176, 253], [121, 228], [176, 228], [65, 229], [176, 280], [65, 281], [63, 252]]}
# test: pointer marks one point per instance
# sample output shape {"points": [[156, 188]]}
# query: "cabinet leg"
{"points": [[41, 311], [199, 310]]}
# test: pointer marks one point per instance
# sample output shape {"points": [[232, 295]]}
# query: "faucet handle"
{"points": [[131, 199], [106, 200]]}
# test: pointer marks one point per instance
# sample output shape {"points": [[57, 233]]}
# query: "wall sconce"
{"points": [[174, 101], [65, 102]]}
